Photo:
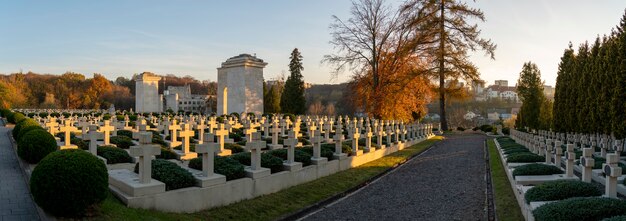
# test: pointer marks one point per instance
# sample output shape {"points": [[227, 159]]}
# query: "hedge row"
{"points": [[536, 169], [593, 208], [560, 190]]}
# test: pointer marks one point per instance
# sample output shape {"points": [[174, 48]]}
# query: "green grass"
{"points": [[506, 204], [272, 206]]}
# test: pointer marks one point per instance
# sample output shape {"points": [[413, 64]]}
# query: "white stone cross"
{"points": [[571, 156], [67, 128], [186, 134], [93, 139], [291, 143], [106, 130], [587, 162], [200, 127], [173, 127], [52, 126], [249, 132], [145, 151], [612, 171], [221, 133], [207, 150], [355, 135], [339, 140], [255, 155]]}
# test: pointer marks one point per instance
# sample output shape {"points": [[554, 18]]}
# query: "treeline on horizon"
{"points": [[590, 94], [75, 91]]}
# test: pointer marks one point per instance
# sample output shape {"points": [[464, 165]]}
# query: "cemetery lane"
{"points": [[15, 200], [445, 183]]}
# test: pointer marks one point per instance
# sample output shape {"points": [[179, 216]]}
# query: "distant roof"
{"points": [[244, 59], [502, 88]]}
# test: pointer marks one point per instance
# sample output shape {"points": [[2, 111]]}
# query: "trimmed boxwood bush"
{"points": [[560, 190], [592, 208], [524, 158], [68, 182], [80, 143], [299, 156], [35, 145], [226, 166], [536, 169], [166, 154], [122, 141], [267, 160], [16, 117], [25, 122], [325, 151], [515, 150], [171, 174], [235, 148], [26, 129], [114, 155], [126, 133]]}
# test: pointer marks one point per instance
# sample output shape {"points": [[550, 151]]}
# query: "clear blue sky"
{"points": [[119, 38]]}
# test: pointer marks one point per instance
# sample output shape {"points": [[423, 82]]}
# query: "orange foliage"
{"points": [[402, 92]]}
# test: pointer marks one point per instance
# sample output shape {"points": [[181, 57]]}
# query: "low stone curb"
{"points": [[321, 204], [26, 175]]}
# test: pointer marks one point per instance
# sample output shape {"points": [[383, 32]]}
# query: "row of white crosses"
{"points": [[548, 143]]}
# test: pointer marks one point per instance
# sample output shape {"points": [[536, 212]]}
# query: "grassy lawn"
{"points": [[272, 206], [506, 204]]}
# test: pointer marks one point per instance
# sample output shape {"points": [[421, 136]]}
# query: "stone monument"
{"points": [[147, 98], [240, 85]]}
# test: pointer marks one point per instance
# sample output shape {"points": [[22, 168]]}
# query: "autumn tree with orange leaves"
{"points": [[389, 79]]}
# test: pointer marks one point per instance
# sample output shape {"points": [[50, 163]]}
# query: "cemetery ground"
{"points": [[280, 204]]}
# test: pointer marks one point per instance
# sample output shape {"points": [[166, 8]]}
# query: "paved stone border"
{"points": [[24, 169], [321, 204], [490, 203]]}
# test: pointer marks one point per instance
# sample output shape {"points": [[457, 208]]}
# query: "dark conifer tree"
{"points": [[292, 99]]}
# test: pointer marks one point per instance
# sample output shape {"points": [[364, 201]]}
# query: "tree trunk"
{"points": [[442, 88]]}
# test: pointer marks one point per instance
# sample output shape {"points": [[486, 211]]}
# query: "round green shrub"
{"points": [[324, 151], [126, 133], [299, 156], [27, 129], [243, 158], [35, 145], [171, 174], [68, 182], [235, 148], [274, 163], [591, 208], [560, 190], [122, 141], [524, 158], [4, 112], [25, 122], [166, 154], [226, 166], [17, 117], [114, 155], [80, 143], [10, 117]]}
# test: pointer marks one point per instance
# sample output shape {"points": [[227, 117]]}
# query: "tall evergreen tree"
{"points": [[292, 99], [530, 91], [561, 94], [618, 101], [271, 100]]}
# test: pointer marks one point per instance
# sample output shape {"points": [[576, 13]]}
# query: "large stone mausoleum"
{"points": [[240, 85]]}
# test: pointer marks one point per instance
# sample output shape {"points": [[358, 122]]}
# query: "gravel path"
{"points": [[445, 183]]}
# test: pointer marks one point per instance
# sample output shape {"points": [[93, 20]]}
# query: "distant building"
{"points": [[179, 98], [147, 98], [502, 83], [494, 116], [501, 90]]}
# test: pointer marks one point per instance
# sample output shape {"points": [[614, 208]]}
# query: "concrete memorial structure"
{"points": [[240, 85], [147, 98]]}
